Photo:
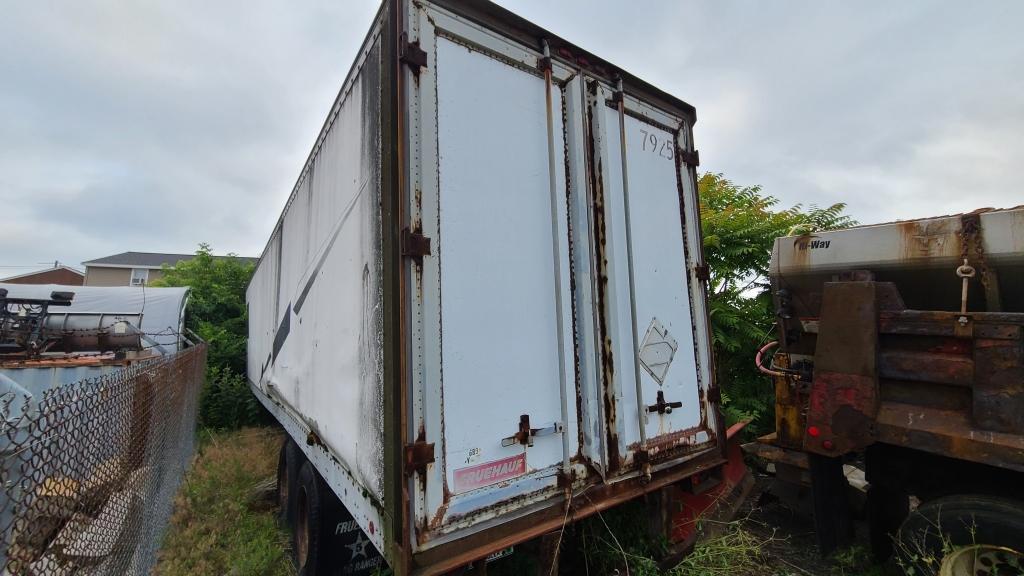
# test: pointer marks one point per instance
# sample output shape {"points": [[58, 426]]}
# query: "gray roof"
{"points": [[149, 259]]}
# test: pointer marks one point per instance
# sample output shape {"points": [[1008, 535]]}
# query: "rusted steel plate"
{"points": [[844, 392], [999, 385], [926, 367], [995, 325], [776, 454], [948, 433]]}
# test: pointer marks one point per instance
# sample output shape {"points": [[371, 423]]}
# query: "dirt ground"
{"points": [[791, 547]]}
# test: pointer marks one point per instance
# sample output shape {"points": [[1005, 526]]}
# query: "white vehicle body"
{"points": [[921, 256], [472, 272]]}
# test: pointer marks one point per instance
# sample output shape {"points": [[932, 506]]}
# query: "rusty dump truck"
{"points": [[900, 350]]}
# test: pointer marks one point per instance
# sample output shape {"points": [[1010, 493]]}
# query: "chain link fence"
{"points": [[90, 469]]}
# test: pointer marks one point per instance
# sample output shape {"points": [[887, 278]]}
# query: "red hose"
{"points": [[760, 355]]}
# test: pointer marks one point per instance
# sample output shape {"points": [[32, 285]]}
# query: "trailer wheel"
{"points": [[983, 561], [283, 483], [287, 475], [933, 536], [306, 541]]}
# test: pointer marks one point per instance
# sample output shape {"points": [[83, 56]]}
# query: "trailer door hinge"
{"points": [[417, 456], [412, 55], [715, 394], [689, 157], [414, 244], [703, 272]]}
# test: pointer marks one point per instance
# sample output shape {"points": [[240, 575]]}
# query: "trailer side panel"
{"points": [[315, 302]]}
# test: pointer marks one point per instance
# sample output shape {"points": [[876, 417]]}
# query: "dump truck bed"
{"points": [[878, 313]]}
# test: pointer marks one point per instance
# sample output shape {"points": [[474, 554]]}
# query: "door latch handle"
{"points": [[525, 435], [662, 407]]}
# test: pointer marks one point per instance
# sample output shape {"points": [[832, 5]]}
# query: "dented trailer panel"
{"points": [[315, 302], [485, 254]]}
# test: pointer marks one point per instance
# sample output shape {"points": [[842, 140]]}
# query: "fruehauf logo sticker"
{"points": [[488, 473]]}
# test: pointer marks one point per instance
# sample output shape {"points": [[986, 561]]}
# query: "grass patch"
{"points": [[735, 550], [618, 542], [216, 528]]}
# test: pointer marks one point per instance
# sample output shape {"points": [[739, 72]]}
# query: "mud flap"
{"points": [[844, 394], [345, 549]]}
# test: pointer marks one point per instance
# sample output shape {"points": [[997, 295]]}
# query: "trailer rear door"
{"points": [[492, 304], [656, 324]]}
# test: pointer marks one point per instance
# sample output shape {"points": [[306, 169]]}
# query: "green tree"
{"points": [[740, 224], [217, 313]]}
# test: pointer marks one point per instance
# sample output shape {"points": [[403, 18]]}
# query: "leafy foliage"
{"points": [[218, 314], [740, 224], [226, 403], [216, 307]]}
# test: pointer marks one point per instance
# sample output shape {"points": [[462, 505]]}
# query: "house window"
{"points": [[140, 276]]}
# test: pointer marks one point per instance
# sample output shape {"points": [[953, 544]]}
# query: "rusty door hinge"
{"points": [[417, 456], [689, 157], [412, 55], [703, 272], [715, 394], [414, 244]]}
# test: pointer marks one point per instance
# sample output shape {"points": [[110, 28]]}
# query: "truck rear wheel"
{"points": [[287, 475], [983, 561], [932, 538], [306, 540]]}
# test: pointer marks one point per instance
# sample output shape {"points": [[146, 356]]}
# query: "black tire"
{"points": [[954, 521], [283, 484], [887, 509], [308, 522], [288, 463]]}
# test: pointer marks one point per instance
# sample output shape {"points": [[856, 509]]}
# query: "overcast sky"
{"points": [[153, 126]]}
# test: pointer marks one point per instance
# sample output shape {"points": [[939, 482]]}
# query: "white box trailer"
{"points": [[485, 298]]}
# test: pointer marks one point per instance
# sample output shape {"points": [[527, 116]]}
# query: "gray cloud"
{"points": [[145, 126]]}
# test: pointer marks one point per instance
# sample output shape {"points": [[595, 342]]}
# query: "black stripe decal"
{"points": [[323, 257], [282, 332]]}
